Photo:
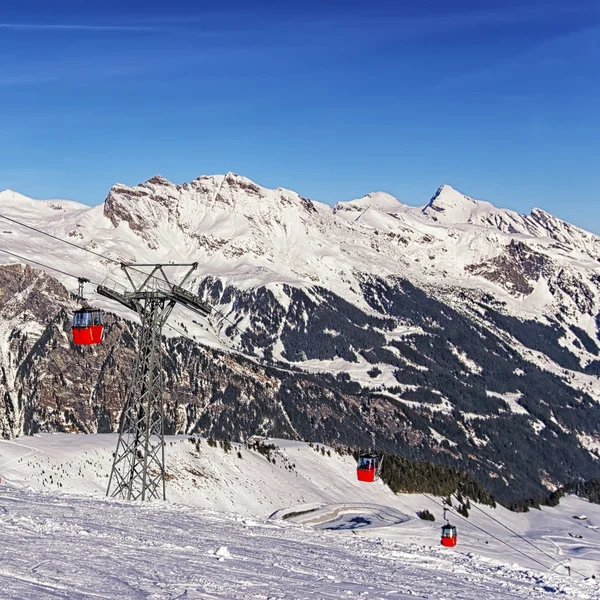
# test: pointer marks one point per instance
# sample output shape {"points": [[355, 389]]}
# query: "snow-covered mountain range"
{"points": [[457, 331]]}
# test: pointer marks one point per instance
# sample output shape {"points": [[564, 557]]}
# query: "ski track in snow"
{"points": [[79, 548]]}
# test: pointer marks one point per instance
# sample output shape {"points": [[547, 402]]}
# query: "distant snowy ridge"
{"points": [[451, 207], [235, 227]]}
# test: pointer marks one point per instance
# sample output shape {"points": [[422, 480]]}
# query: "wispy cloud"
{"points": [[555, 54], [74, 73], [26, 80], [328, 17], [77, 27]]}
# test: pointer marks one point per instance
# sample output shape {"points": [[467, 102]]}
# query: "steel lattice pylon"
{"points": [[138, 470]]}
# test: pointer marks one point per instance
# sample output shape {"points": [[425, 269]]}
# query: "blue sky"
{"points": [[331, 99]]}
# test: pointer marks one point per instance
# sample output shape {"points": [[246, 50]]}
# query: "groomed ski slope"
{"points": [[79, 548], [213, 538]]}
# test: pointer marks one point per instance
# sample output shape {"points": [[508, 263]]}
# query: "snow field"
{"points": [[79, 548], [213, 538]]}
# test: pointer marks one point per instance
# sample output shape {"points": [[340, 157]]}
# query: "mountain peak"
{"points": [[157, 180], [446, 188], [9, 195], [447, 199], [451, 206], [381, 201]]}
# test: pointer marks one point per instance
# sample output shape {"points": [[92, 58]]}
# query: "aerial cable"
{"points": [[393, 452], [50, 235], [59, 239], [445, 509], [48, 267], [118, 262], [522, 537], [489, 534], [73, 244], [45, 266], [40, 264]]}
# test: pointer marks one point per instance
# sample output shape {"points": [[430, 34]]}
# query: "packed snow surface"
{"points": [[242, 526]]}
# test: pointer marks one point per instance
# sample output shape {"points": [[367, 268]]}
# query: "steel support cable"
{"points": [[118, 262], [386, 446], [499, 522], [195, 342], [542, 551], [485, 531], [29, 260], [183, 335], [488, 533], [40, 264], [55, 237], [73, 244], [45, 266], [241, 332], [558, 562], [522, 538]]}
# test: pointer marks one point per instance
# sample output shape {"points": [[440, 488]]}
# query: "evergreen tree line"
{"points": [[588, 490], [418, 477], [402, 475]]}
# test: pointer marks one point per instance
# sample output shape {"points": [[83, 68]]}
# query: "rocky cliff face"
{"points": [[456, 332]]}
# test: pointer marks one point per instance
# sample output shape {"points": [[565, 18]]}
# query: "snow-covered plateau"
{"points": [[223, 533]]}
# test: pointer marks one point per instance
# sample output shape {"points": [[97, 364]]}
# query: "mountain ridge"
{"points": [[442, 195]]}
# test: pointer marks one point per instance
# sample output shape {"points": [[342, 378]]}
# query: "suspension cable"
{"points": [[40, 264], [384, 445], [54, 237], [62, 272], [224, 317], [118, 262], [488, 533], [521, 537]]}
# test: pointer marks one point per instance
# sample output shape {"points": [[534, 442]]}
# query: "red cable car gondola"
{"points": [[448, 535], [88, 326], [88, 323], [368, 466]]}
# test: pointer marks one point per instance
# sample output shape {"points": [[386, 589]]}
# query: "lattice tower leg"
{"points": [[138, 471]]}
